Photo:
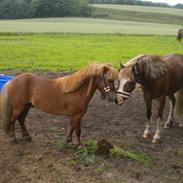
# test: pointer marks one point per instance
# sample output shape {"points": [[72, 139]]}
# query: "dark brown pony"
{"points": [[180, 35], [68, 96], [159, 77]]}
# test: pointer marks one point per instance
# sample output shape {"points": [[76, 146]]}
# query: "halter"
{"points": [[106, 88], [123, 94], [136, 74]]}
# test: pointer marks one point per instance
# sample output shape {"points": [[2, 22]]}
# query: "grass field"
{"points": [[25, 46], [59, 52], [87, 25], [139, 13], [148, 9]]}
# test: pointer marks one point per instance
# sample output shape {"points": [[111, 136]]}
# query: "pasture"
{"points": [[89, 26], [148, 9], [68, 52], [139, 13]]}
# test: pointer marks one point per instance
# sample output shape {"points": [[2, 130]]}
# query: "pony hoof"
{"points": [[13, 140], [27, 139], [146, 135], [69, 141], [181, 125], [79, 146], [168, 125], [156, 141]]}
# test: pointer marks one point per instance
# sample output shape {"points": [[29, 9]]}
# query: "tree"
{"points": [[43, 8]]}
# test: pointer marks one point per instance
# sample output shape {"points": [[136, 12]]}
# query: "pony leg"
{"points": [[14, 117], [13, 139], [157, 138], [70, 131], [21, 120], [77, 128], [148, 102], [169, 122]]}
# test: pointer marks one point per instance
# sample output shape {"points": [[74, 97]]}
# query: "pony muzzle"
{"points": [[122, 96]]}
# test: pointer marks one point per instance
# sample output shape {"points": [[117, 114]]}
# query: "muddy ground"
{"points": [[41, 161]]}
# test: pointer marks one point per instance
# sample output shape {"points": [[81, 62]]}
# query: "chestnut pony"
{"points": [[159, 76], [180, 35], [67, 95]]}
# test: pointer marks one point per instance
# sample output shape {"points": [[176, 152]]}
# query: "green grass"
{"points": [[89, 155], [137, 156], [148, 9], [86, 25], [58, 52], [139, 16]]}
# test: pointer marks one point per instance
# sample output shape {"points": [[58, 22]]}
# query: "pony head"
{"points": [[142, 69], [105, 81]]}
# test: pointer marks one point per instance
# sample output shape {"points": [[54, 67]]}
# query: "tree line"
{"points": [[12, 9], [134, 2]]}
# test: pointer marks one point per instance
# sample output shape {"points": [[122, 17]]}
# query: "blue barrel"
{"points": [[4, 79]]}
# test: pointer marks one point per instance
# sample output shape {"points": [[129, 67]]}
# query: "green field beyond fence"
{"points": [[138, 13], [87, 25], [58, 52], [148, 9]]}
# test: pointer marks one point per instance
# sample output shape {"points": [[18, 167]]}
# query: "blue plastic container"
{"points": [[4, 79]]}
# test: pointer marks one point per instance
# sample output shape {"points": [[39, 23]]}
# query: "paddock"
{"points": [[42, 161]]}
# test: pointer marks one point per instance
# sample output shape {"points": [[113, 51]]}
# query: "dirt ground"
{"points": [[41, 161]]}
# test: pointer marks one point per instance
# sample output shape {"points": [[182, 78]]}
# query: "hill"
{"points": [[138, 13]]}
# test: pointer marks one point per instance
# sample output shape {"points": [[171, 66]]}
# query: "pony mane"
{"points": [[154, 65], [75, 81]]}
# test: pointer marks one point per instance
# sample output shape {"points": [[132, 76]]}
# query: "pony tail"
{"points": [[6, 108], [179, 103]]}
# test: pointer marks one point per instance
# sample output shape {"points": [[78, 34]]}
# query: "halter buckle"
{"points": [[107, 89]]}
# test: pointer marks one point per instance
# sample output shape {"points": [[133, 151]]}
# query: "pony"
{"points": [[158, 76], [180, 35], [69, 95]]}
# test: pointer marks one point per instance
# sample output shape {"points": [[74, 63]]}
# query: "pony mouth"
{"points": [[120, 101]]}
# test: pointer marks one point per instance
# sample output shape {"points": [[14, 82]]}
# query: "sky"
{"points": [[170, 2]]}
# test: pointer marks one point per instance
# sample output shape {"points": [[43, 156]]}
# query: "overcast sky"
{"points": [[171, 2]]}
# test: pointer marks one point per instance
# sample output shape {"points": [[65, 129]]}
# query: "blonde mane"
{"points": [[73, 82], [135, 60], [154, 65]]}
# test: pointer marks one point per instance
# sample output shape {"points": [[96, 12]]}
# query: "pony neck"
{"points": [[89, 88]]}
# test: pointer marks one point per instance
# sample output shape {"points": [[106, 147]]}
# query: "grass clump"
{"points": [[137, 156], [88, 153]]}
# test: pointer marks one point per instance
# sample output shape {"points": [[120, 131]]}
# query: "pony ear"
{"points": [[121, 66], [104, 71]]}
